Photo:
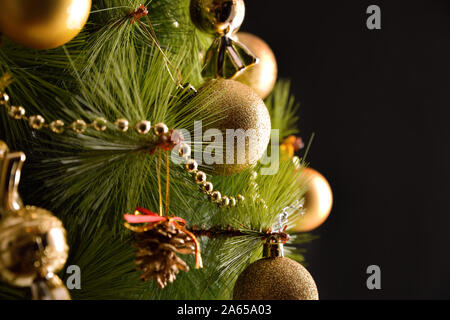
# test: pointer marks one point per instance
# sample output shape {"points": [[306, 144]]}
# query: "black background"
{"points": [[378, 101]]}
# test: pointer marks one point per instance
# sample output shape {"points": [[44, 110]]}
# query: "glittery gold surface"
{"points": [[275, 279], [262, 76], [217, 16], [240, 108]]}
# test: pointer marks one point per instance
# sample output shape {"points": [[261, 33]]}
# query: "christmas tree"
{"points": [[107, 113]]}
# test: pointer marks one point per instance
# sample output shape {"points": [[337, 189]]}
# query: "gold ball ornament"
{"points": [[276, 278], [243, 112], [318, 201], [43, 24], [262, 76], [32, 241], [217, 17]]}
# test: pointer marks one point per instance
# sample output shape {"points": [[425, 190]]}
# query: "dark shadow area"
{"points": [[378, 101]]}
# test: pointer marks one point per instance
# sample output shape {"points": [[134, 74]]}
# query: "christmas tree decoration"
{"points": [[158, 241], [241, 109], [318, 201], [226, 58], [262, 76], [33, 243], [102, 120], [49, 287], [291, 145], [45, 24], [275, 278]]}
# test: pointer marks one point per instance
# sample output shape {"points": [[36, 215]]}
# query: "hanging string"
{"points": [[159, 184], [137, 14], [167, 183]]}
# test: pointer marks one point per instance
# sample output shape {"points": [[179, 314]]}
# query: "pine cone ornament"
{"points": [[158, 242], [157, 250]]}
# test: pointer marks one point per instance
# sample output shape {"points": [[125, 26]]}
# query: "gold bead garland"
{"points": [[79, 126], [201, 179], [143, 127]]}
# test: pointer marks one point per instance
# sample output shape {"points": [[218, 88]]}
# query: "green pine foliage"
{"points": [[114, 70]]}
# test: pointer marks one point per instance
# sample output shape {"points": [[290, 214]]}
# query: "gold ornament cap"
{"points": [[273, 250]]}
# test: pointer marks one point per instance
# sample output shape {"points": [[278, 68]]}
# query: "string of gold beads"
{"points": [[100, 124], [206, 186], [143, 127]]}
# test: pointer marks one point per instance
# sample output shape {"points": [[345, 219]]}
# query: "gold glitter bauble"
{"points": [[217, 17], [43, 24], [243, 112], [318, 201], [262, 76], [275, 279], [32, 241]]}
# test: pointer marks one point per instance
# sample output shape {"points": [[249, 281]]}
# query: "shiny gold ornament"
{"points": [[122, 124], [143, 127], [243, 110], [318, 201], [233, 202], [57, 126], [240, 198], [43, 24], [17, 112], [225, 58], [275, 278], [36, 122], [217, 17], [262, 76], [32, 240], [49, 287]]}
